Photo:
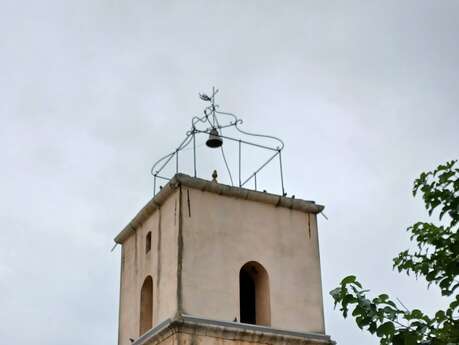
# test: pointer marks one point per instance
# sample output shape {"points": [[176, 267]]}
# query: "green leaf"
{"points": [[398, 339], [383, 297], [386, 329], [348, 299], [434, 256], [357, 311], [415, 314], [335, 293], [410, 339], [348, 280], [361, 322], [440, 316]]}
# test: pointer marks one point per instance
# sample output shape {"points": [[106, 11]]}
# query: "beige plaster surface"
{"points": [[198, 247], [221, 234], [160, 263]]}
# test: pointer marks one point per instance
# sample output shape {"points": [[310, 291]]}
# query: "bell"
{"points": [[214, 140]]}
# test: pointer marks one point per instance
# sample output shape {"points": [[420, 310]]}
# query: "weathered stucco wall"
{"points": [[221, 234], [160, 263], [202, 234]]}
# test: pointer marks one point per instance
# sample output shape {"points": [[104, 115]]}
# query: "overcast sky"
{"points": [[365, 95]]}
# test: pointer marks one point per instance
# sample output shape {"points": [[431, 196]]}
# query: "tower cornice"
{"points": [[187, 326], [305, 206]]}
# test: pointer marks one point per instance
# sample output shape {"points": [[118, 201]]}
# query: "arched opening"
{"points": [[254, 294], [148, 243], [146, 306]]}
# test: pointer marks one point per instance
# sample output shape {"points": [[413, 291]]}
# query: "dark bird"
{"points": [[235, 319]]}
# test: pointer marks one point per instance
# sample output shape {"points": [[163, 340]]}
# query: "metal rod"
{"points": [[251, 134], [169, 156], [194, 152], [256, 171], [163, 177], [213, 105], [154, 186], [227, 166], [281, 172], [243, 141], [250, 143], [212, 117], [176, 161], [210, 123], [226, 126], [240, 185], [184, 143], [165, 163]]}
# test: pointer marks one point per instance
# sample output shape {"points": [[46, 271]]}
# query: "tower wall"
{"points": [[222, 233], [160, 263], [202, 234]]}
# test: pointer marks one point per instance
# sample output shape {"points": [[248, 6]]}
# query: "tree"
{"points": [[435, 257]]}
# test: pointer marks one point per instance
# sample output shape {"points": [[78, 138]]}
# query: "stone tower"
{"points": [[207, 263]]}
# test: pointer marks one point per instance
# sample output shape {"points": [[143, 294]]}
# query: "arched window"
{"points": [[146, 306], [254, 294], [148, 242]]}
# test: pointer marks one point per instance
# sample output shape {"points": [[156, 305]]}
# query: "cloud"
{"points": [[364, 95]]}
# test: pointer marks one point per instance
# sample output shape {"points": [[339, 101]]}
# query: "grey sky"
{"points": [[365, 95]]}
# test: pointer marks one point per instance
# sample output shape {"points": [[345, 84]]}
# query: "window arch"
{"points": [[146, 306], [148, 242], [254, 300]]}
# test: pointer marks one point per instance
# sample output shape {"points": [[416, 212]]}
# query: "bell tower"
{"points": [[205, 262]]}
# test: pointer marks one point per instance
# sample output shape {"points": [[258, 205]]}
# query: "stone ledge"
{"points": [[213, 331]]}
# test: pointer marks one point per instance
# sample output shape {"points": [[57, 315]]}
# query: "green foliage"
{"points": [[436, 258]]}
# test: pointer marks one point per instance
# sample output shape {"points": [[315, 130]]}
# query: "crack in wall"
{"points": [[158, 266]]}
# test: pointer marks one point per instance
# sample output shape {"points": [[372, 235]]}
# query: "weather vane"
{"points": [[212, 123]]}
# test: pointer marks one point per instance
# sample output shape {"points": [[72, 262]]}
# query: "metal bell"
{"points": [[215, 140]]}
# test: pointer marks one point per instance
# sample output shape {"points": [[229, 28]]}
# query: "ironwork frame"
{"points": [[211, 117]]}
